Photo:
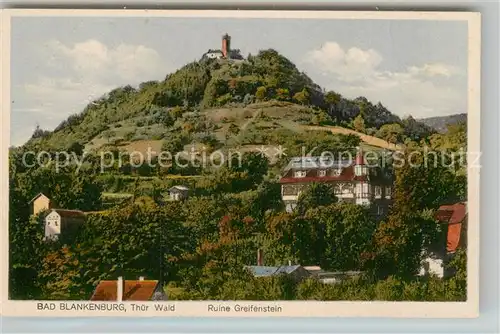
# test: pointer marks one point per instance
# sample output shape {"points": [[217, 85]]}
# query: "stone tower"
{"points": [[226, 46]]}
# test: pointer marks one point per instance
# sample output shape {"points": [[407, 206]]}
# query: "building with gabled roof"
{"points": [[178, 193], [40, 203], [453, 221], [353, 181], [61, 221]]}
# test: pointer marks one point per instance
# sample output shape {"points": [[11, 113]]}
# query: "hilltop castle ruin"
{"points": [[225, 52]]}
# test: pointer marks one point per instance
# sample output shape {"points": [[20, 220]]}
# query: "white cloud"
{"points": [[424, 90], [80, 73], [347, 64], [432, 70], [94, 60]]}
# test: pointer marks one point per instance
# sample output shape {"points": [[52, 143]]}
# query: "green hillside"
{"points": [[197, 247], [222, 102]]}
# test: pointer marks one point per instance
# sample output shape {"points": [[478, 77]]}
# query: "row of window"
{"points": [[321, 173], [362, 190], [378, 191]]}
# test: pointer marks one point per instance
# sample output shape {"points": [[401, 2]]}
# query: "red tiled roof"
{"points": [[133, 290], [454, 216], [70, 213]]}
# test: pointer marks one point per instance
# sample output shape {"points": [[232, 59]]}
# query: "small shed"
{"points": [[178, 193], [40, 203], [60, 221]]}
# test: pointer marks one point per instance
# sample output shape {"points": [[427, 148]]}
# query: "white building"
{"points": [[352, 181], [453, 220], [213, 54], [60, 221], [178, 193]]}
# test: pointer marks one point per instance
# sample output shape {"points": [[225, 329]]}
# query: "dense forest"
{"points": [[198, 247]]}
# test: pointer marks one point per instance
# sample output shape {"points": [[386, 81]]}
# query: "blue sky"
{"points": [[60, 64]]}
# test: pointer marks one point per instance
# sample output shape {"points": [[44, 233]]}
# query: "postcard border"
{"points": [[314, 309]]}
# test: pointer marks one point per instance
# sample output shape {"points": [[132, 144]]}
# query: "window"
{"points": [[300, 173], [322, 173], [336, 172], [365, 190], [387, 192], [380, 210], [378, 191], [55, 223]]}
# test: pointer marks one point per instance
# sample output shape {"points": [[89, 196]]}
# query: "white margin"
{"points": [[468, 309]]}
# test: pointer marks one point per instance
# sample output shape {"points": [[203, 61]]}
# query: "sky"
{"points": [[59, 65]]}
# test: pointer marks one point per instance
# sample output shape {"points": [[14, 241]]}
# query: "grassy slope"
{"points": [[369, 140], [266, 116]]}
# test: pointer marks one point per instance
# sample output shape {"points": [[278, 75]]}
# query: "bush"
{"points": [[129, 135]]}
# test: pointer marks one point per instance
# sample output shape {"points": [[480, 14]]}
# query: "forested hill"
{"points": [[441, 123], [183, 101]]}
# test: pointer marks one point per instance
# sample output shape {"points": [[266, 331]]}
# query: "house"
{"points": [[353, 181], [225, 52], [40, 203], [453, 220], [213, 54], [60, 221], [178, 193], [297, 272], [129, 290]]}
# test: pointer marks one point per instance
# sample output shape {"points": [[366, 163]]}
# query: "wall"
{"points": [[40, 204], [52, 224], [432, 266]]}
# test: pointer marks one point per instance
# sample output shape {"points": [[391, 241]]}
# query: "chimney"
{"points": [[119, 289], [260, 258]]}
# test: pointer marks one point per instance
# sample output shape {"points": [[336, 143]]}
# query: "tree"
{"points": [[317, 194], [76, 148], [173, 145], [343, 232], [261, 93], [302, 97], [282, 94], [108, 134], [399, 241], [359, 123], [332, 97], [26, 252], [416, 130], [233, 129], [66, 187], [39, 133], [321, 118], [393, 133]]}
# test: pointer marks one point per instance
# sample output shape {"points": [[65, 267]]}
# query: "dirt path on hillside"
{"points": [[370, 140]]}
